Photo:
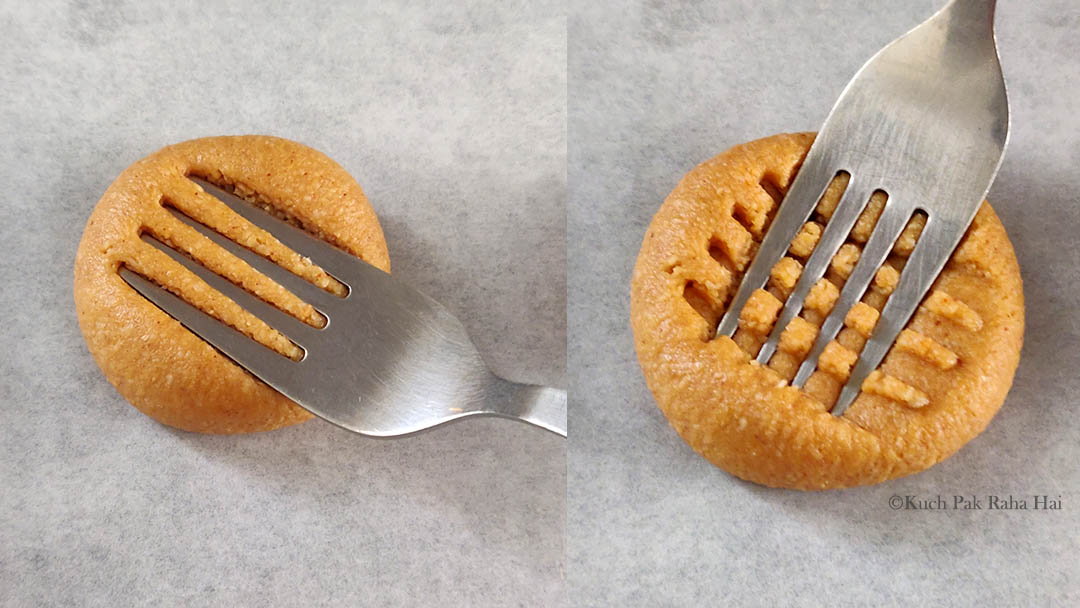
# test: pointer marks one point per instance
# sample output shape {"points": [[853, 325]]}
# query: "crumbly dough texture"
{"points": [[163, 369], [940, 385]]}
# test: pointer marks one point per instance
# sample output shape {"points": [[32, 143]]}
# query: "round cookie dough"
{"points": [[163, 369], [936, 390]]}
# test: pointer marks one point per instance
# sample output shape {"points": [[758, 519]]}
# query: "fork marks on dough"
{"points": [[707, 284]]}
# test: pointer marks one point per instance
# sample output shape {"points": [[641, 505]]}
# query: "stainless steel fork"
{"points": [[390, 360], [926, 120]]}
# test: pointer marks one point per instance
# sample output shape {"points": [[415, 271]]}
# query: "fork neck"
{"points": [[541, 406]]}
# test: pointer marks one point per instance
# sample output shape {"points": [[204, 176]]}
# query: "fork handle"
{"points": [[542, 406]]}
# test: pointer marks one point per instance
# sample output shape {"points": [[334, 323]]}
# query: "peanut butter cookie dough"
{"points": [[942, 382], [164, 370]]}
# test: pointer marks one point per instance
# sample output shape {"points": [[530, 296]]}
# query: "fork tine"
{"points": [[250, 354], [331, 259], [893, 219], [802, 197], [922, 268], [848, 209], [299, 332], [312, 294]]}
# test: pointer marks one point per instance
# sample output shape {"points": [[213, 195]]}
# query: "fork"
{"points": [[926, 121], [389, 361]]}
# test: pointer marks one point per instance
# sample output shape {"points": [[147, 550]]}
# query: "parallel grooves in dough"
{"points": [[741, 416], [187, 197], [761, 311], [190, 200], [156, 364]]}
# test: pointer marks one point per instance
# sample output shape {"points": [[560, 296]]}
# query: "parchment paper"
{"points": [[656, 88], [452, 118]]}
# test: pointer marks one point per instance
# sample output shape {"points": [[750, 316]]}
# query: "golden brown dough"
{"points": [[936, 390], [164, 370]]}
